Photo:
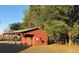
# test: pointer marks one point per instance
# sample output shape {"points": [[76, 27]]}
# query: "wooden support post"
{"points": [[15, 38]]}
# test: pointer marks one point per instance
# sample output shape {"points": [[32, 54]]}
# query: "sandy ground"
{"points": [[53, 49]]}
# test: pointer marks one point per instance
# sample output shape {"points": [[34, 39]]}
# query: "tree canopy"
{"points": [[15, 26]]}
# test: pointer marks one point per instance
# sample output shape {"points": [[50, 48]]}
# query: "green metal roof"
{"points": [[20, 31], [24, 30]]}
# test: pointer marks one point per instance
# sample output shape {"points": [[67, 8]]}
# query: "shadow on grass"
{"points": [[12, 48]]}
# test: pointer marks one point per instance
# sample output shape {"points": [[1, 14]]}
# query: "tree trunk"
{"points": [[70, 42]]}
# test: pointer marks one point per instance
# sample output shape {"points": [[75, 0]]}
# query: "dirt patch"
{"points": [[53, 49]]}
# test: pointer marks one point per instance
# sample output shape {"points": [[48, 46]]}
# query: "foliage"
{"points": [[75, 29], [74, 15], [38, 15], [15, 26], [56, 28]]}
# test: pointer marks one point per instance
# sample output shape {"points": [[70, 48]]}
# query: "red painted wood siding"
{"points": [[37, 34]]}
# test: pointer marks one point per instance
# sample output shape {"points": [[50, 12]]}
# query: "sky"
{"points": [[11, 14]]}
